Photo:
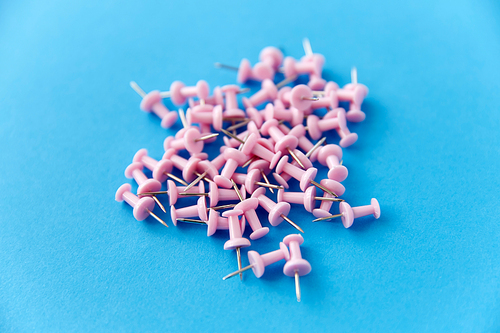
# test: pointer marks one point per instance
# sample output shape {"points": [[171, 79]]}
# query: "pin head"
{"points": [[260, 165], [202, 89], [255, 115], [355, 115], [347, 214], [281, 208], [306, 178], [202, 208], [191, 144], [313, 127], [149, 100], [262, 71], [213, 220], [297, 96], [188, 173], [281, 180], [333, 186], [150, 185], [376, 208], [270, 88], [161, 169], [252, 177], [131, 168], [273, 55], [143, 207], [139, 155], [175, 93], [244, 71], [309, 198], [121, 191], [172, 193], [248, 204]]}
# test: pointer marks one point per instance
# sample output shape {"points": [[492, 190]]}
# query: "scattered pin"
{"points": [[296, 266], [194, 182], [142, 207], [206, 137]]}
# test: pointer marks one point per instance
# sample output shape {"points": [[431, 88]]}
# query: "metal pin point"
{"points": [[222, 207], [297, 286], [295, 158], [324, 189], [191, 221], [238, 255], [137, 89], [249, 161], [194, 182], [159, 204], [237, 191], [157, 218], [238, 125], [276, 187], [354, 75], [177, 179], [286, 81], [266, 180], [219, 65], [293, 224], [328, 199], [239, 271], [229, 134], [304, 98], [328, 217], [183, 118], [206, 137], [316, 146]]}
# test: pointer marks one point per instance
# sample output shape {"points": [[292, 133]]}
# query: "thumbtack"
{"points": [[258, 262], [316, 127], [236, 241], [346, 137], [194, 182], [248, 207], [263, 167], [348, 213], [252, 146], [268, 92], [307, 198], [330, 155], [179, 92], [134, 170], [152, 102], [200, 210], [207, 115], [277, 211], [296, 266], [283, 142], [161, 169], [142, 207], [217, 194], [234, 158], [313, 65], [190, 167], [260, 71]]}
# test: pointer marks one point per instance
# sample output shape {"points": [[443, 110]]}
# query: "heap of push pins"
{"points": [[273, 131]]}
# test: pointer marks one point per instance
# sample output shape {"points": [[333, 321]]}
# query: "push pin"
{"points": [[263, 167], [198, 210], [161, 169], [152, 102], [271, 56], [216, 222], [307, 198], [284, 143], [277, 211], [299, 132], [248, 206], [134, 170], [251, 179], [305, 177], [232, 109], [179, 93], [234, 158], [268, 92], [190, 168], [252, 147], [258, 262], [316, 126], [355, 114], [216, 99], [192, 141], [217, 194], [142, 207], [293, 115], [346, 137], [296, 265], [236, 241], [261, 71], [348, 213], [291, 67], [331, 155], [206, 114], [301, 97]]}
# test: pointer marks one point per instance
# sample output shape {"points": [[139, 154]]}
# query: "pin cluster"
{"points": [[274, 131]]}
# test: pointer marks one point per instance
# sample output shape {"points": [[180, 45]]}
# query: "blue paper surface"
{"points": [[73, 259]]}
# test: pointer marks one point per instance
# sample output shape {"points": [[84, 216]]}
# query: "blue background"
{"points": [[72, 259]]}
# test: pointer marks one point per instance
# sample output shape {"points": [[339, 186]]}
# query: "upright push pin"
{"points": [[143, 207], [296, 265], [152, 102], [236, 240], [258, 262], [348, 213]]}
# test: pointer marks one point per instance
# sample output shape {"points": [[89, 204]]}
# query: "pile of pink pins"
{"points": [[275, 131]]}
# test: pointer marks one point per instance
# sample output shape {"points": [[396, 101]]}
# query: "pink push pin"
{"points": [[284, 143], [296, 265], [236, 240], [216, 222], [283, 178], [252, 179], [261, 71], [161, 169], [277, 211], [329, 101], [348, 213], [198, 210], [328, 199], [152, 102], [205, 114], [307, 198], [179, 93], [249, 206], [176, 192], [192, 141], [355, 114], [293, 68], [217, 194], [237, 140], [259, 262], [316, 127], [134, 170], [301, 97], [268, 92], [216, 99], [232, 109], [271, 56], [190, 168], [143, 207], [331, 155], [234, 158], [305, 177], [316, 82], [293, 115], [252, 147], [255, 115], [299, 132], [263, 167], [219, 161], [346, 137]]}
